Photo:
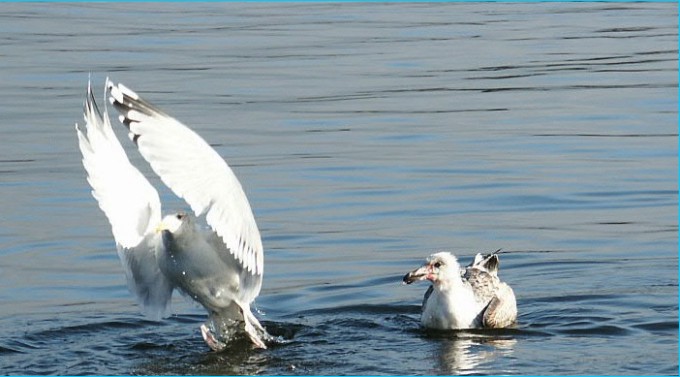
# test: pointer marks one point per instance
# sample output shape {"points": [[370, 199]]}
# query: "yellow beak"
{"points": [[161, 227]]}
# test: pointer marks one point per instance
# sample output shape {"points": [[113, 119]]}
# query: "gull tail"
{"points": [[488, 262]]}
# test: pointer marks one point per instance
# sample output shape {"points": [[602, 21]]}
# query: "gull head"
{"points": [[438, 267], [173, 223]]}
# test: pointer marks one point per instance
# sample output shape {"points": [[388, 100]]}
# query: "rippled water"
{"points": [[366, 136]]}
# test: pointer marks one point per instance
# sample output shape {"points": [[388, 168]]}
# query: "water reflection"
{"points": [[472, 353]]}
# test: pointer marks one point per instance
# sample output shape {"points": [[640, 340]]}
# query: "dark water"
{"points": [[367, 136]]}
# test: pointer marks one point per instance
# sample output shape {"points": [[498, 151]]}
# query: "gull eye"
{"points": [[179, 216], [437, 265]]}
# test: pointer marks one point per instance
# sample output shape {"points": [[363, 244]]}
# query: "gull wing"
{"points": [[482, 283], [145, 280], [129, 202], [195, 172], [426, 297], [502, 309]]}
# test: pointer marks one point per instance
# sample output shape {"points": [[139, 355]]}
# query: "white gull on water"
{"points": [[219, 266], [473, 297]]}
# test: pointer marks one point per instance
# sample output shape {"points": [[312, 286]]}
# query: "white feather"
{"points": [[120, 189], [222, 268], [196, 173], [131, 205]]}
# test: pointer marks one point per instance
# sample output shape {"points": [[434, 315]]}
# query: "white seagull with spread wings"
{"points": [[219, 266]]}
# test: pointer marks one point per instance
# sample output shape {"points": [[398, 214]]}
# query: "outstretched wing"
{"points": [[195, 172], [129, 202]]}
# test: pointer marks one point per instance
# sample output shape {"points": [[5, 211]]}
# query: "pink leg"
{"points": [[210, 339]]}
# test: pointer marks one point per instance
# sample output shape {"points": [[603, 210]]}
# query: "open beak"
{"points": [[421, 273]]}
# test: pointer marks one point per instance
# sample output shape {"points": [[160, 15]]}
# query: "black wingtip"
{"points": [[90, 104], [125, 100]]}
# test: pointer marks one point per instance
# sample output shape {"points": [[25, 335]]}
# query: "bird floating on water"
{"points": [[464, 298], [220, 265]]}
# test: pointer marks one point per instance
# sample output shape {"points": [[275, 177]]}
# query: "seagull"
{"points": [[473, 297], [218, 265]]}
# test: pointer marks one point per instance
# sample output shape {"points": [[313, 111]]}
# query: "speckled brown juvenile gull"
{"points": [[473, 297]]}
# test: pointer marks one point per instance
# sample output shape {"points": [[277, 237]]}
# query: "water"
{"points": [[366, 136]]}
